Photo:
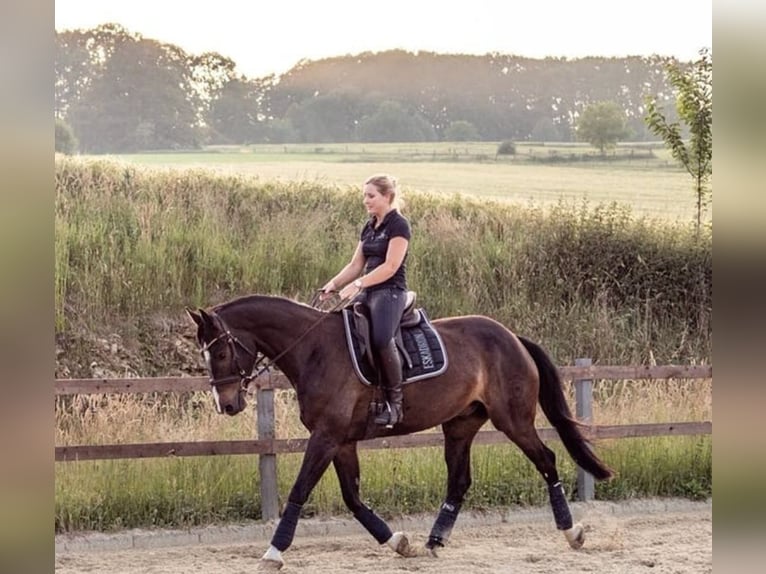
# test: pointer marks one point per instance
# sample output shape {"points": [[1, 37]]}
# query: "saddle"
{"points": [[420, 347]]}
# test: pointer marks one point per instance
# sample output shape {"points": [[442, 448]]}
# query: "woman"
{"points": [[377, 275]]}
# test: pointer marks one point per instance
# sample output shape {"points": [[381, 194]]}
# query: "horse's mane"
{"points": [[247, 300]]}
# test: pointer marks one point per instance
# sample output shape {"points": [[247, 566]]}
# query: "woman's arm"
{"points": [[397, 249], [350, 272]]}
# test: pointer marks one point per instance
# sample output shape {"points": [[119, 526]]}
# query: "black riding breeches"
{"points": [[386, 306]]}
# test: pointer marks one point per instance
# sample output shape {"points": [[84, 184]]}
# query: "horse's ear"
{"points": [[194, 316], [206, 318]]}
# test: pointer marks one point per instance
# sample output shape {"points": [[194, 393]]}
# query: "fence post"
{"points": [[584, 410], [267, 463]]}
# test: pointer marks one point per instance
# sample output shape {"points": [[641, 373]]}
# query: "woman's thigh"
{"points": [[386, 308]]}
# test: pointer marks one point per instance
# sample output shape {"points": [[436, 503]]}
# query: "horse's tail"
{"points": [[556, 409]]}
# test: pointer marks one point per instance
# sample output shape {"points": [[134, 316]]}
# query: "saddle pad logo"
{"points": [[426, 358]]}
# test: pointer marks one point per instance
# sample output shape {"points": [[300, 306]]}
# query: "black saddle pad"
{"points": [[425, 349]]}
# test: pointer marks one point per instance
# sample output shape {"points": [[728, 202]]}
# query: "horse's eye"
{"points": [[221, 355]]}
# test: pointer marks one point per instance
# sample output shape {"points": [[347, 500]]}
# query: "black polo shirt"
{"points": [[375, 246]]}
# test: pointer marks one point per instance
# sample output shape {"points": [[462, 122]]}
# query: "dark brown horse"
{"points": [[493, 375]]}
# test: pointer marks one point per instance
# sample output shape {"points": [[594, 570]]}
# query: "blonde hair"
{"points": [[387, 187]]}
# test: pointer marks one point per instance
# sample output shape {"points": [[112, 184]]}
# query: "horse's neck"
{"points": [[279, 328]]}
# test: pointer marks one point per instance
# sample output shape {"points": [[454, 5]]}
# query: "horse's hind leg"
{"points": [[458, 436], [544, 460], [346, 464]]}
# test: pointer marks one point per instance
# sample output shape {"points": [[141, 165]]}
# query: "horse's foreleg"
{"points": [[458, 436], [319, 452], [346, 464]]}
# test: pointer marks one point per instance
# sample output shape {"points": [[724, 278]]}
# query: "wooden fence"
{"points": [[267, 446]]}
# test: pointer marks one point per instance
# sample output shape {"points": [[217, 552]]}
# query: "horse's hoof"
{"points": [[401, 545], [271, 560], [431, 547], [575, 536], [269, 565]]}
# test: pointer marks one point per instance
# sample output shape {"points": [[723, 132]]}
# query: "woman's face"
{"points": [[375, 203]]}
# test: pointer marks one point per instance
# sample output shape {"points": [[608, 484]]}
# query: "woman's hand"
{"points": [[349, 291], [327, 290]]}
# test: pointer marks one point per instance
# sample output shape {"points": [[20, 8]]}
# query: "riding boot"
{"points": [[390, 366]]}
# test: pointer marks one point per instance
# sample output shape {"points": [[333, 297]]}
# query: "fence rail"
{"points": [[279, 381], [267, 446]]}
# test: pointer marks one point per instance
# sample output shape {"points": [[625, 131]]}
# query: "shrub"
{"points": [[506, 148]]}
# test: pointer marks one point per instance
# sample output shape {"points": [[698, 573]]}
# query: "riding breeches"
{"points": [[386, 306]]}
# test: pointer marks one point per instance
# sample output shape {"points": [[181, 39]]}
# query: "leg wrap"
{"points": [[283, 536], [560, 506], [443, 525], [374, 524]]}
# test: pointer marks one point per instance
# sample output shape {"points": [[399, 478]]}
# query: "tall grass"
{"points": [[584, 280], [114, 494]]}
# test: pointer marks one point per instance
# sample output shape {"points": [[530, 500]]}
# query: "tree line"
{"points": [[117, 92]]}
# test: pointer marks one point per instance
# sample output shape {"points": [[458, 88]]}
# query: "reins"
{"points": [[244, 378]]}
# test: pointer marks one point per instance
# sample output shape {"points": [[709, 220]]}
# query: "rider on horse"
{"points": [[376, 276]]}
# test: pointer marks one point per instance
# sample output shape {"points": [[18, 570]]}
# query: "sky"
{"points": [[271, 36]]}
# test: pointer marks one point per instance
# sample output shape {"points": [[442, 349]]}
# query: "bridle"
{"points": [[233, 342], [256, 370]]}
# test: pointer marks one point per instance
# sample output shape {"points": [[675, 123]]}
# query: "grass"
{"points": [[116, 494]]}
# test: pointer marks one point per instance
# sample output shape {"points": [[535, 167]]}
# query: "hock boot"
{"points": [[390, 366]]}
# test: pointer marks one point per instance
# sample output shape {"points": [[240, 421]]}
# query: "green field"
{"points": [[641, 177]]}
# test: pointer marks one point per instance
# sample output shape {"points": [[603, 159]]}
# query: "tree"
{"points": [[278, 130], [694, 105], [545, 131], [602, 125], [391, 122], [461, 131], [235, 115], [325, 117], [65, 142], [209, 74], [141, 99]]}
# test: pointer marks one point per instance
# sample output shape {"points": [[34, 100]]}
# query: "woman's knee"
{"points": [[381, 340]]}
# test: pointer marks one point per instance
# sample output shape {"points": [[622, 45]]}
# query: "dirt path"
{"points": [[641, 537]]}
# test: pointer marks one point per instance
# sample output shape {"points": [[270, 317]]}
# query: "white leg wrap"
{"points": [[275, 556]]}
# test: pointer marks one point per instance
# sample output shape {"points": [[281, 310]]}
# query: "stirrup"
{"points": [[388, 418]]}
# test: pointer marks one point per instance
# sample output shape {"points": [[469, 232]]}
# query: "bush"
{"points": [[506, 148]]}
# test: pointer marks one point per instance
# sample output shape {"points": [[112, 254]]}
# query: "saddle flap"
{"points": [[423, 352], [362, 322]]}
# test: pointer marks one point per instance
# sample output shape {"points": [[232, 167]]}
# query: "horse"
{"points": [[493, 375]]}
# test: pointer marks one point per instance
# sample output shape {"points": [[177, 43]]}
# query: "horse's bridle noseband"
{"points": [[233, 342]]}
